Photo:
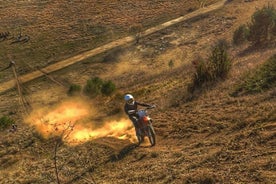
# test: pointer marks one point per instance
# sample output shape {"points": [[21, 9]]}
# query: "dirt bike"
{"points": [[145, 128]]}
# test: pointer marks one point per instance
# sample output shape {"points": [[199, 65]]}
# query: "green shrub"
{"points": [[97, 86], [93, 86], [74, 89], [5, 122], [259, 80], [202, 72], [108, 87], [216, 67], [263, 25], [219, 60], [240, 35]]}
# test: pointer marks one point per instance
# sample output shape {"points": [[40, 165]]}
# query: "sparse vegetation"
{"points": [[154, 155], [93, 86], [5, 122], [171, 64], [136, 28], [241, 35], [214, 68], [108, 88], [261, 30], [259, 80], [262, 26], [220, 60], [202, 179], [97, 86], [74, 89], [212, 139]]}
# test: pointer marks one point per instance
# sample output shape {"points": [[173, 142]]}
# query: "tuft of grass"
{"points": [[154, 155], [204, 178], [74, 89], [263, 78], [171, 64], [260, 31], [96, 86], [5, 122], [216, 67], [263, 25], [241, 35], [136, 28], [108, 88], [93, 86]]}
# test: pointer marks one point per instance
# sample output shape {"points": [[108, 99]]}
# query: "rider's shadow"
{"points": [[145, 146], [123, 153]]}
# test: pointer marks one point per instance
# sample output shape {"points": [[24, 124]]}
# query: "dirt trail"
{"points": [[67, 62]]}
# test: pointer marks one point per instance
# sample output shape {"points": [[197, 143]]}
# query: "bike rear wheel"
{"points": [[139, 136]]}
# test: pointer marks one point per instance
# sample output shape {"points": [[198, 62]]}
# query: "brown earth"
{"points": [[60, 29], [215, 138], [107, 47]]}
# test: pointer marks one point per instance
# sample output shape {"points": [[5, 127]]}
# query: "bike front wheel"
{"points": [[151, 135]]}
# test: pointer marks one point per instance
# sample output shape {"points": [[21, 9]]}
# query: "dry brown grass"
{"points": [[60, 29], [213, 139]]}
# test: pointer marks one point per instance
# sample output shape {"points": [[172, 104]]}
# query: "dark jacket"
{"points": [[134, 107]]}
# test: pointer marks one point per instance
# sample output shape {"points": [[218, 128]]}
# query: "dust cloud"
{"points": [[129, 62], [134, 62], [73, 121]]}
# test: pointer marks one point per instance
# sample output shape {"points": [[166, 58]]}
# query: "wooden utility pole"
{"points": [[23, 102]]}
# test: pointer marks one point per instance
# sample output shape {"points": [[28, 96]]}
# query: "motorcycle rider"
{"points": [[131, 107]]}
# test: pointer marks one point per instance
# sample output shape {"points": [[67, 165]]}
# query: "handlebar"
{"points": [[151, 107], [133, 111]]}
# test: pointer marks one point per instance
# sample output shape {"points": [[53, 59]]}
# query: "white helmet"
{"points": [[129, 99]]}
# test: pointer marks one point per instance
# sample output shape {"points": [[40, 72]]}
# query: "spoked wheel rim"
{"points": [[140, 139], [151, 136]]}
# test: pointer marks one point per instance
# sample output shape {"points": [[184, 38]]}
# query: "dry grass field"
{"points": [[60, 29], [213, 138]]}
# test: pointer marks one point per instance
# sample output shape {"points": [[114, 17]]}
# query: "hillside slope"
{"points": [[215, 138]]}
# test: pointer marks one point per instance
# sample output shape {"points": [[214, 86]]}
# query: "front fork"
{"points": [[150, 126], [145, 131]]}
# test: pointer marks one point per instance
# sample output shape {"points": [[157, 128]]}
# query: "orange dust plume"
{"points": [[121, 129], [71, 120]]}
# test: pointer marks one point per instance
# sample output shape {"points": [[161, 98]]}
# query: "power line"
{"points": [[46, 74]]}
